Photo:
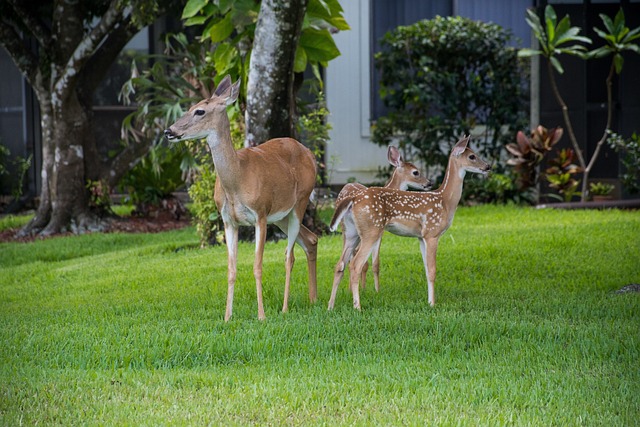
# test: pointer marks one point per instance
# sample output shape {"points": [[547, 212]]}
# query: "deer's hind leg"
{"points": [[367, 243]]}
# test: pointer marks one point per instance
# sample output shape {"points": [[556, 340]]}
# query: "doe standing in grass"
{"points": [[405, 175], [423, 215], [267, 184]]}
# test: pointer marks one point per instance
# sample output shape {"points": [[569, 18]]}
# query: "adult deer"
{"points": [[405, 175], [267, 184], [423, 215]]}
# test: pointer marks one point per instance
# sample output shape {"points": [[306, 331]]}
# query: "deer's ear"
{"points": [[460, 146], [235, 91], [394, 156], [223, 86]]}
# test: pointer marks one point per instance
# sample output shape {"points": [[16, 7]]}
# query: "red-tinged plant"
{"points": [[529, 152], [560, 174]]}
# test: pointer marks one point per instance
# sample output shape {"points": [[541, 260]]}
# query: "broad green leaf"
{"points": [[599, 32], [523, 53], [192, 8], [318, 9], [550, 20], [551, 31], [319, 45], [571, 35], [631, 35], [618, 61], [340, 23], [556, 64], [224, 57], [608, 24], [600, 52], [195, 20], [618, 22], [633, 47], [563, 27], [221, 30], [300, 61]]}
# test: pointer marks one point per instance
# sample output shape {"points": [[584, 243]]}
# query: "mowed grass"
{"points": [[112, 329]]}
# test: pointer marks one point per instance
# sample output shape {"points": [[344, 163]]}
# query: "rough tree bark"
{"points": [[270, 89], [70, 60]]}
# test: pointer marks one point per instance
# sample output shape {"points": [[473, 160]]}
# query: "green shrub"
{"points": [[629, 150], [154, 178], [442, 77]]}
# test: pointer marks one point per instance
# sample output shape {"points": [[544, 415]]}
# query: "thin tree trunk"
{"points": [[603, 139]]}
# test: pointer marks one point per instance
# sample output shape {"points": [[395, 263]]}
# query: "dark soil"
{"points": [[155, 223]]}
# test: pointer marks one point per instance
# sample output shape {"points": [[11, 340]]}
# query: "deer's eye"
{"points": [[416, 173], [198, 112], [472, 157]]}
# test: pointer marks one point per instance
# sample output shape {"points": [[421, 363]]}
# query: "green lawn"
{"points": [[119, 329]]}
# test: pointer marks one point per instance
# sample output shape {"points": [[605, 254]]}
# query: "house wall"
{"points": [[350, 154]]}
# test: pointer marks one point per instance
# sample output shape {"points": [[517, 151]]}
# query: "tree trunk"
{"points": [[270, 96], [64, 200]]}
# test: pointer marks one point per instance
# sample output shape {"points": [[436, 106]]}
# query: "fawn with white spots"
{"points": [[423, 215], [267, 184], [405, 175]]}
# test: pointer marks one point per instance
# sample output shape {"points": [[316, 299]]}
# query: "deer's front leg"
{"points": [[261, 235], [428, 248], [231, 234]]}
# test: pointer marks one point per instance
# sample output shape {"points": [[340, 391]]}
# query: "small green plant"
{"points": [[600, 188], [99, 196], [498, 188], [313, 128], [154, 178], [629, 150], [20, 165], [560, 174]]}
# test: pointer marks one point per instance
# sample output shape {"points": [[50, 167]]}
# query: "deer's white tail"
{"points": [[341, 210]]}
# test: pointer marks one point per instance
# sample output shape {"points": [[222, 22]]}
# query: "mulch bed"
{"points": [[151, 224]]}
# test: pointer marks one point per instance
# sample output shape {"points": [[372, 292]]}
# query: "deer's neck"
{"points": [[225, 158], [396, 182], [451, 188]]}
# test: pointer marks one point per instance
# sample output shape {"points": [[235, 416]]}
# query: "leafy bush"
{"points": [[498, 188], [560, 174], [529, 152], [629, 150], [16, 177], [154, 178], [442, 77]]}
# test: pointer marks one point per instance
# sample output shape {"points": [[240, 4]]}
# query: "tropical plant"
{"points": [[529, 152], [629, 150], [231, 25], [559, 37], [600, 188], [442, 77], [154, 178], [560, 174]]}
